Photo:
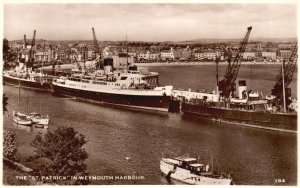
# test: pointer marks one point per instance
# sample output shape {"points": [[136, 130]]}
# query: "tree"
{"points": [[61, 153], [5, 99], [9, 55], [6, 51], [9, 144], [6, 47]]}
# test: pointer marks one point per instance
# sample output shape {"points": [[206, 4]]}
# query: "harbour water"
{"points": [[253, 156]]}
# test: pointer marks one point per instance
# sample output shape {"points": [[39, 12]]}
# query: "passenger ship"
{"points": [[26, 77], [131, 88]]}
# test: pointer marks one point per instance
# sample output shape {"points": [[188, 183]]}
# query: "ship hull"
{"points": [[26, 83], [157, 103], [22, 122], [262, 120]]}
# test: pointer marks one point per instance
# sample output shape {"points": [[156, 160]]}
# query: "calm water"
{"points": [[252, 156]]}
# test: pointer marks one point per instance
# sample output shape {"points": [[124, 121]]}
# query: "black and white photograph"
{"points": [[150, 93]]}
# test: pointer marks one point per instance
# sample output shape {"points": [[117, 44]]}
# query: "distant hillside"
{"points": [[263, 40], [276, 40]]}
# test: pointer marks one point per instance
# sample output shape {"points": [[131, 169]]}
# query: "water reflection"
{"points": [[23, 127], [41, 130], [31, 128]]}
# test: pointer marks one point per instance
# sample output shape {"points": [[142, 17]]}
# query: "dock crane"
{"points": [[227, 85], [97, 49], [31, 52], [283, 79], [54, 58], [74, 54]]}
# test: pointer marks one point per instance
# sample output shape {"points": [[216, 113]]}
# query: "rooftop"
{"points": [[186, 159], [196, 165]]}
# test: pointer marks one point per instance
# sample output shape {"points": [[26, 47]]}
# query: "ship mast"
{"points": [[283, 87], [43, 56], [217, 72], [126, 51], [212, 163], [19, 95]]}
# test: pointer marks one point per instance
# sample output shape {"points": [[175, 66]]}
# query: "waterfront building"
{"points": [[249, 55], [148, 56], [198, 56], [167, 55], [120, 60], [186, 53], [154, 56], [49, 54], [269, 55], [16, 45], [133, 54], [284, 53], [41, 56], [183, 54], [177, 53], [61, 55], [210, 55], [144, 56], [90, 54]]}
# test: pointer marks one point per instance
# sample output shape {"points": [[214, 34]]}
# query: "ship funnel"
{"points": [[242, 89], [108, 65]]}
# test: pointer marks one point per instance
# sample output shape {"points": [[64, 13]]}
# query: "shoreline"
{"points": [[201, 63], [70, 66]]}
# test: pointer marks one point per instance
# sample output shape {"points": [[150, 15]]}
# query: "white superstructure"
{"points": [[127, 83]]}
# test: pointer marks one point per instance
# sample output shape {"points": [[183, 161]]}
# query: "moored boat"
{"points": [[245, 107], [21, 119], [32, 79], [128, 88], [39, 120], [189, 171], [24, 74]]}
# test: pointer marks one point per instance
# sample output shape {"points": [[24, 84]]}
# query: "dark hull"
{"points": [[26, 83], [159, 103], [264, 120]]}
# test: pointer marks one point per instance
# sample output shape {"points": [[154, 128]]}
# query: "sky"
{"points": [[149, 22]]}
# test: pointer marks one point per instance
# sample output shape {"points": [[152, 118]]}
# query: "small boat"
{"points": [[21, 119], [39, 120], [189, 171]]}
